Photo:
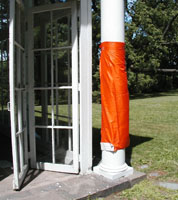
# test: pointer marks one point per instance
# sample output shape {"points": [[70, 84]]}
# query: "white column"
{"points": [[113, 164], [112, 21]]}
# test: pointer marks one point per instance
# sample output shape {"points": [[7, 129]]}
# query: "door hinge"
{"points": [[9, 106]]}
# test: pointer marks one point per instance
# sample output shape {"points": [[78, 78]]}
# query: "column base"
{"points": [[112, 165], [122, 171]]}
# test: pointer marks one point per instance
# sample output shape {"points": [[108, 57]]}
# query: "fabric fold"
{"points": [[114, 97]]}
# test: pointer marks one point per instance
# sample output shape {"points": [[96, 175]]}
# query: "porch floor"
{"points": [[58, 186]]}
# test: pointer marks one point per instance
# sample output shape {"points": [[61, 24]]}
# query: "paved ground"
{"points": [[58, 186]]}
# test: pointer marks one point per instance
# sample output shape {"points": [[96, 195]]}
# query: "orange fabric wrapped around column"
{"points": [[114, 97]]}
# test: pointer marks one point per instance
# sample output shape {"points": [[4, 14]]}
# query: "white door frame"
{"points": [[85, 86]]}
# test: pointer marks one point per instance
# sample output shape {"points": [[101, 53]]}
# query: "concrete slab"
{"points": [[171, 186], [58, 186]]}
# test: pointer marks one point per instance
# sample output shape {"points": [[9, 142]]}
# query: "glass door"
{"points": [[54, 88], [18, 92]]}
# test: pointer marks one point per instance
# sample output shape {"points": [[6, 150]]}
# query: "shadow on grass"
{"points": [[134, 141], [157, 94]]}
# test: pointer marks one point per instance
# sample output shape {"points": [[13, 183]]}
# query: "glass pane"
{"points": [[42, 30], [22, 27], [16, 111], [42, 69], [62, 68], [62, 28], [16, 66], [63, 107], [63, 152], [23, 108], [19, 70], [19, 25], [21, 150], [20, 109], [43, 145], [22, 70], [43, 107], [43, 2], [18, 154]]}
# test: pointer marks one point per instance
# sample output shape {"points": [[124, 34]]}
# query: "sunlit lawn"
{"points": [[154, 144]]}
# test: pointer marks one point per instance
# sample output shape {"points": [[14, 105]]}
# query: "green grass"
{"points": [[154, 142]]}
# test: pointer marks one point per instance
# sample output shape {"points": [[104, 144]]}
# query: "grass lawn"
{"points": [[154, 144]]}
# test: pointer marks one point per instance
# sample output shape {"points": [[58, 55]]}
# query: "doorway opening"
{"points": [[47, 80]]}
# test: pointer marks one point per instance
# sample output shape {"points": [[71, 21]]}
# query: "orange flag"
{"points": [[114, 97]]}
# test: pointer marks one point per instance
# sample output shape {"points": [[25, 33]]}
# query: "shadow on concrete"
{"points": [[31, 175], [134, 141], [5, 153]]}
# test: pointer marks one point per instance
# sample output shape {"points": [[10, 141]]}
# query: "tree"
{"points": [[151, 40], [153, 26], [96, 50]]}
